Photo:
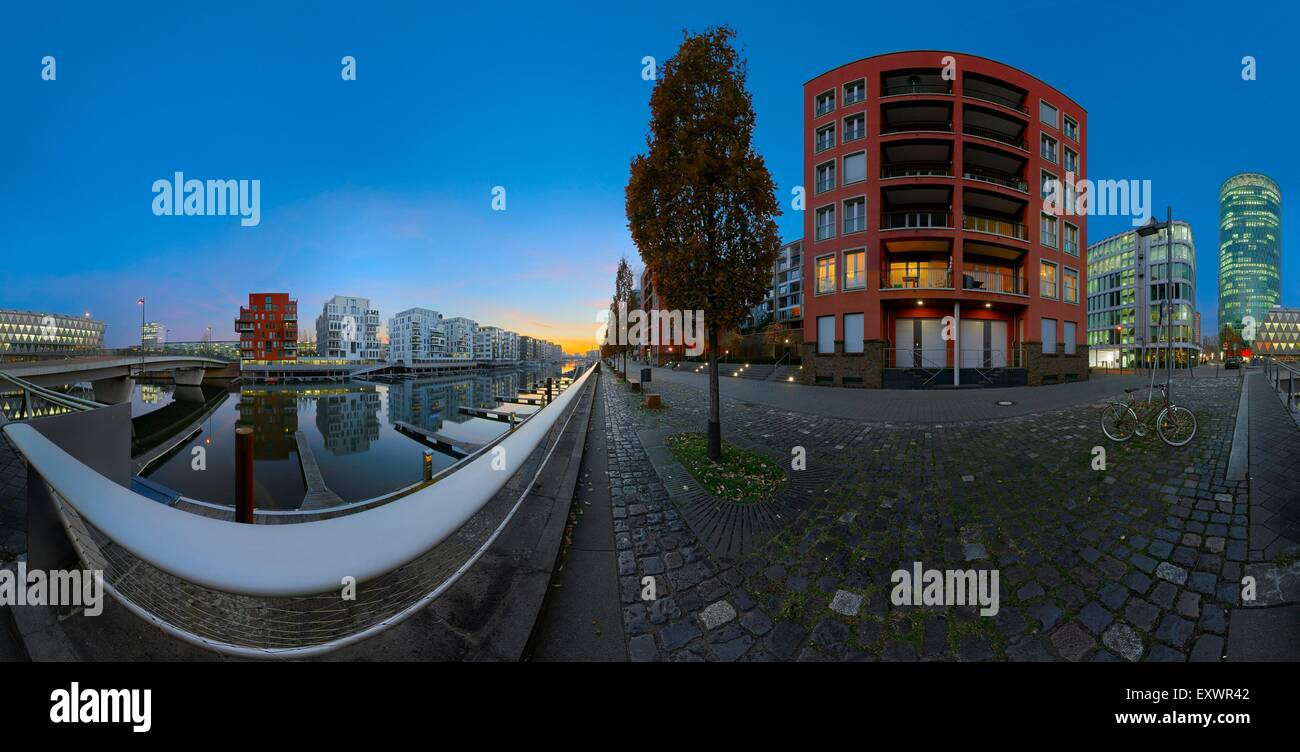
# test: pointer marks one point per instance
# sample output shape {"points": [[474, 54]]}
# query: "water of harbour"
{"points": [[350, 428]]}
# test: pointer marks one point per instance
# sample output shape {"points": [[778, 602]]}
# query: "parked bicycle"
{"points": [[1175, 424]]}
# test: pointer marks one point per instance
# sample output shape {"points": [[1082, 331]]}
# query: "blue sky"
{"points": [[381, 187]]}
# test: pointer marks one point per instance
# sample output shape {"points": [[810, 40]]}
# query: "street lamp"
{"points": [[141, 302], [1147, 230]]}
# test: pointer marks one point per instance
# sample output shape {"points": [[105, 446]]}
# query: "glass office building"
{"points": [[33, 333], [1250, 249], [1130, 278]]}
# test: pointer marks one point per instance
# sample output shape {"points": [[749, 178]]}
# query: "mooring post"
{"points": [[244, 474], [428, 465], [548, 390], [512, 421]]}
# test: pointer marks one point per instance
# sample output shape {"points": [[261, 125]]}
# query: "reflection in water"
{"points": [[349, 428]]}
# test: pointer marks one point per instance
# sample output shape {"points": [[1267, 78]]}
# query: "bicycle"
{"points": [[1175, 424]]}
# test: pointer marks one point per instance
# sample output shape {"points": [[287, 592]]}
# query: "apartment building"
{"points": [[268, 328], [348, 329], [462, 335], [415, 336]]}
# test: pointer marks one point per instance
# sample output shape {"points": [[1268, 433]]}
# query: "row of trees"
{"points": [[701, 204]]}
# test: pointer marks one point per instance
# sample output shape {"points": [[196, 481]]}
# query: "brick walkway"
{"points": [[13, 502], [1138, 561], [1274, 474]]}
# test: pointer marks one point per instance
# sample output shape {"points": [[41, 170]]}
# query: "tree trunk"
{"points": [[715, 422]]}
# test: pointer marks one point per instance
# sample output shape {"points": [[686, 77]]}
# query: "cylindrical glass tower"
{"points": [[1250, 250]]}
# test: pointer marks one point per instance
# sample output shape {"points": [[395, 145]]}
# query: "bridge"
{"points": [[113, 376]]}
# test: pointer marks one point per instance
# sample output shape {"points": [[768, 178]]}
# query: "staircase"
{"points": [[756, 371], [786, 373]]}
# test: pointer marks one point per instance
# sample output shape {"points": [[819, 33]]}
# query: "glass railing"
{"points": [[988, 96], [916, 169], [916, 277], [1006, 138], [997, 178], [994, 281], [994, 226], [915, 219], [903, 89]]}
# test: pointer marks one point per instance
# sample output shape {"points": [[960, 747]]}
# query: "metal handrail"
{"points": [[1273, 375], [69, 401]]}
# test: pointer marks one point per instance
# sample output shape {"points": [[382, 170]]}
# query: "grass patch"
{"points": [[741, 477]]}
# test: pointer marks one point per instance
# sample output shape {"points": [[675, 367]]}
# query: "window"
{"points": [[825, 334], [855, 270], [1071, 128], [1049, 231], [825, 103], [854, 332], [826, 222], [1068, 333], [1049, 280], [1050, 185], [1071, 280], [1049, 336], [855, 168], [825, 137], [855, 92], [825, 176], [1071, 160], [855, 215], [1046, 113], [1071, 239], [1047, 148], [825, 274], [855, 127]]}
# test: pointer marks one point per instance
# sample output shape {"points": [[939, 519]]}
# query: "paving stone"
{"points": [[1122, 639], [1113, 594], [1095, 617], [1188, 605], [642, 649], [1072, 642], [899, 651], [785, 639], [972, 648], [846, 603], [1208, 647], [1174, 630], [1171, 572], [1137, 581], [1142, 614], [1029, 648], [717, 614], [677, 634], [1164, 654], [1213, 619], [1047, 615]]}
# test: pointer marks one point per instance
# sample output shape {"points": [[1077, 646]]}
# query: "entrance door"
{"points": [[919, 343], [983, 343]]}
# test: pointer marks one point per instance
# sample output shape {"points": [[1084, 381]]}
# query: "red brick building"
{"points": [[926, 176], [268, 328]]}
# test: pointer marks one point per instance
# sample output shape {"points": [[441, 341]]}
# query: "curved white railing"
{"points": [[283, 560]]}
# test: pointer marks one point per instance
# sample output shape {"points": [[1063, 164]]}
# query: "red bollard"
{"points": [[244, 475]]}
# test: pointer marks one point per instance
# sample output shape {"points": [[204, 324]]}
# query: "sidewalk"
{"points": [[910, 405]]}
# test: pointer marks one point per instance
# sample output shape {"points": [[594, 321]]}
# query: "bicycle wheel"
{"points": [[1177, 425], [1118, 421]]}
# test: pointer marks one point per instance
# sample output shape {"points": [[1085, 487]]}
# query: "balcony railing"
{"points": [[1006, 138], [994, 226], [898, 90], [988, 96], [997, 178], [915, 219], [916, 169], [918, 126], [989, 281], [913, 277]]}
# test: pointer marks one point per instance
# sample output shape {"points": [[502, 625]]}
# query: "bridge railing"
{"points": [[27, 400], [282, 591], [1284, 378]]}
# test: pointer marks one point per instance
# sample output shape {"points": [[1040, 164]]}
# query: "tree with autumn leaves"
{"points": [[701, 204]]}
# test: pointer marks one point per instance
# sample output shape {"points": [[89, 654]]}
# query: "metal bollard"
{"points": [[428, 465], [548, 390], [512, 422], [244, 475]]}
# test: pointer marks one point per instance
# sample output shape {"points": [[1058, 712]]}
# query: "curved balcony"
{"points": [[995, 226], [916, 220]]}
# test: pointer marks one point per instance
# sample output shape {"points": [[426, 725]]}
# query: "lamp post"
{"points": [[141, 302], [1146, 231]]}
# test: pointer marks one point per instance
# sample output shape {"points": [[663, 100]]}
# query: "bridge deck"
{"points": [[318, 494]]}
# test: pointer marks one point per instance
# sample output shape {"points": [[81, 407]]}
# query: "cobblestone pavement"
{"points": [[13, 502], [1139, 561]]}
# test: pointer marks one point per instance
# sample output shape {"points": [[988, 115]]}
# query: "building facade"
{"points": [[415, 335], [268, 328], [942, 185], [462, 335], [153, 334], [1279, 335], [1250, 249], [1141, 298], [348, 329], [32, 333]]}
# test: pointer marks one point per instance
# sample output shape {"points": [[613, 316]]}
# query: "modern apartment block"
{"points": [[1250, 249], [268, 328], [784, 303], [415, 336], [497, 344], [348, 329], [462, 334], [1128, 283], [28, 333], [929, 176]]}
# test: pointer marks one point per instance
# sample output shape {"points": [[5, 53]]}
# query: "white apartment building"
{"points": [[462, 335], [416, 335], [348, 329], [495, 343]]}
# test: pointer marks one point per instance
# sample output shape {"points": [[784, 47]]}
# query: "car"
{"points": [[1232, 361]]}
